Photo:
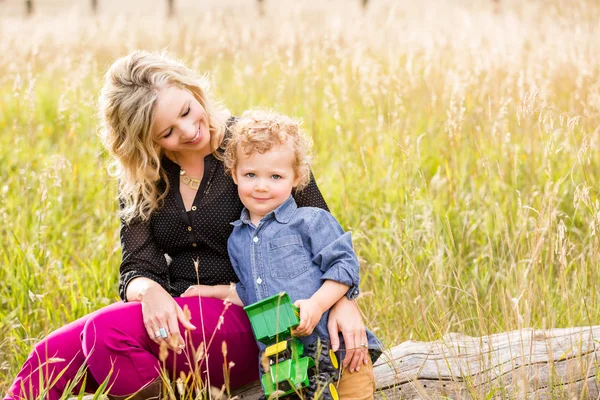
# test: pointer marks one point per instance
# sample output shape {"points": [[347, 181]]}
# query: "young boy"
{"points": [[276, 246]]}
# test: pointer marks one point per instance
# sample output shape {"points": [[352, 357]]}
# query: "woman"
{"points": [[166, 137]]}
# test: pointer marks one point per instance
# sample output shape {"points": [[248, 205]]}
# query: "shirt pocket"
{"points": [[287, 258]]}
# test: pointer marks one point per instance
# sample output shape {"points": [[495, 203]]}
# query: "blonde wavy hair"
{"points": [[127, 105], [257, 131]]}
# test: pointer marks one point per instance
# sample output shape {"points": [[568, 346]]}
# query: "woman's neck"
{"points": [[191, 162]]}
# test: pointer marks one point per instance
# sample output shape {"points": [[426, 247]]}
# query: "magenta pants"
{"points": [[114, 339]]}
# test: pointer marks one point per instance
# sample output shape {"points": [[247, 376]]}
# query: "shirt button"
{"points": [[255, 239], [189, 228], [194, 244], [259, 281], [194, 208]]}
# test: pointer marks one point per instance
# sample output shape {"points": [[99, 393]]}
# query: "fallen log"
{"points": [[522, 364]]}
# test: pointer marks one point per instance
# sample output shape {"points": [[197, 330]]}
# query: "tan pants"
{"points": [[358, 385]]}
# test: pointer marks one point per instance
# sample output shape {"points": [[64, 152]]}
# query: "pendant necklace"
{"points": [[187, 180]]}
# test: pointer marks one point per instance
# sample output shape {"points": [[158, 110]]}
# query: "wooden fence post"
{"points": [[29, 7], [261, 7], [170, 8]]}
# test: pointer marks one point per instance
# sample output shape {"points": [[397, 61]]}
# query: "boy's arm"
{"points": [[311, 310], [332, 250]]}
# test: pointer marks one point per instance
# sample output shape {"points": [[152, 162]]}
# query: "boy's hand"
{"points": [[310, 315]]}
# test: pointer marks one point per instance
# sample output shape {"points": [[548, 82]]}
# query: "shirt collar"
{"points": [[282, 214]]}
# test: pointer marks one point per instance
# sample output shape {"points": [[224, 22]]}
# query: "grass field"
{"points": [[458, 140]]}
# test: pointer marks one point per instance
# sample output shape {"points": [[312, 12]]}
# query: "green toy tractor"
{"points": [[288, 369]]}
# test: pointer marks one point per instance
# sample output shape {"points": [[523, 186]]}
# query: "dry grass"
{"points": [[459, 140]]}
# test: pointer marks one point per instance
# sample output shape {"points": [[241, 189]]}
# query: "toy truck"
{"points": [[287, 368]]}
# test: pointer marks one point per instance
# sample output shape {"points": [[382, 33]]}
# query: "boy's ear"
{"points": [[234, 176], [297, 180]]}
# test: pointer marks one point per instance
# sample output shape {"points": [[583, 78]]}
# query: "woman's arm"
{"points": [[223, 292], [144, 278], [138, 287], [141, 257]]}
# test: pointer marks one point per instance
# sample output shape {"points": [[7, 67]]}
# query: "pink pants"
{"points": [[114, 338]]}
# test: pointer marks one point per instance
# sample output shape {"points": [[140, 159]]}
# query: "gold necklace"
{"points": [[187, 180], [191, 182]]}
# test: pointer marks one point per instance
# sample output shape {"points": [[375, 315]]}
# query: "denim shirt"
{"points": [[294, 250]]}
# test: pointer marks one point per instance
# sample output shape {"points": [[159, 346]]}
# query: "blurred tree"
{"points": [[364, 4], [170, 8], [29, 7], [94, 6], [261, 7]]}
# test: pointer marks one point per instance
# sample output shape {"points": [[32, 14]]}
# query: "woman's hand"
{"points": [[203, 291], [161, 311], [223, 292], [345, 317]]}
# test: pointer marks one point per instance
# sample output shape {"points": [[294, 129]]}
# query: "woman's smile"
{"points": [[196, 139]]}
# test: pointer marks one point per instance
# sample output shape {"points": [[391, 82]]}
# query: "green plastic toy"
{"points": [[287, 369]]}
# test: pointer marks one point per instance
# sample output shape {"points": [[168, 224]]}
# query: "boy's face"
{"points": [[266, 180]]}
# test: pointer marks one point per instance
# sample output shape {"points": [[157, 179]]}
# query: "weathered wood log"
{"points": [[523, 364]]}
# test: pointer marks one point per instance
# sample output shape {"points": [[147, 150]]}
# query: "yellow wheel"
{"points": [[325, 358], [321, 387], [334, 360], [333, 391]]}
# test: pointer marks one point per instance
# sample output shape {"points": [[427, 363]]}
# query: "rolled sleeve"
{"points": [[353, 292], [333, 252]]}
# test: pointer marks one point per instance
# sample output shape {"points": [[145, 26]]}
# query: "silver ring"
{"points": [[364, 345], [157, 334], [163, 333]]}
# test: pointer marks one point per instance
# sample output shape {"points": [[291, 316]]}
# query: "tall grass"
{"points": [[459, 141]]}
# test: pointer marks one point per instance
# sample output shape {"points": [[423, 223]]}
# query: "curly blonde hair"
{"points": [[127, 105], [257, 131]]}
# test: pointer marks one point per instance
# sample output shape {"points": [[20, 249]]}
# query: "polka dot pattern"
{"points": [[185, 237]]}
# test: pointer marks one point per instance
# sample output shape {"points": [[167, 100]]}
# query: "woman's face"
{"points": [[180, 122]]}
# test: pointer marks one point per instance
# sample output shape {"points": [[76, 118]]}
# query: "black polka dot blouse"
{"points": [[165, 247]]}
